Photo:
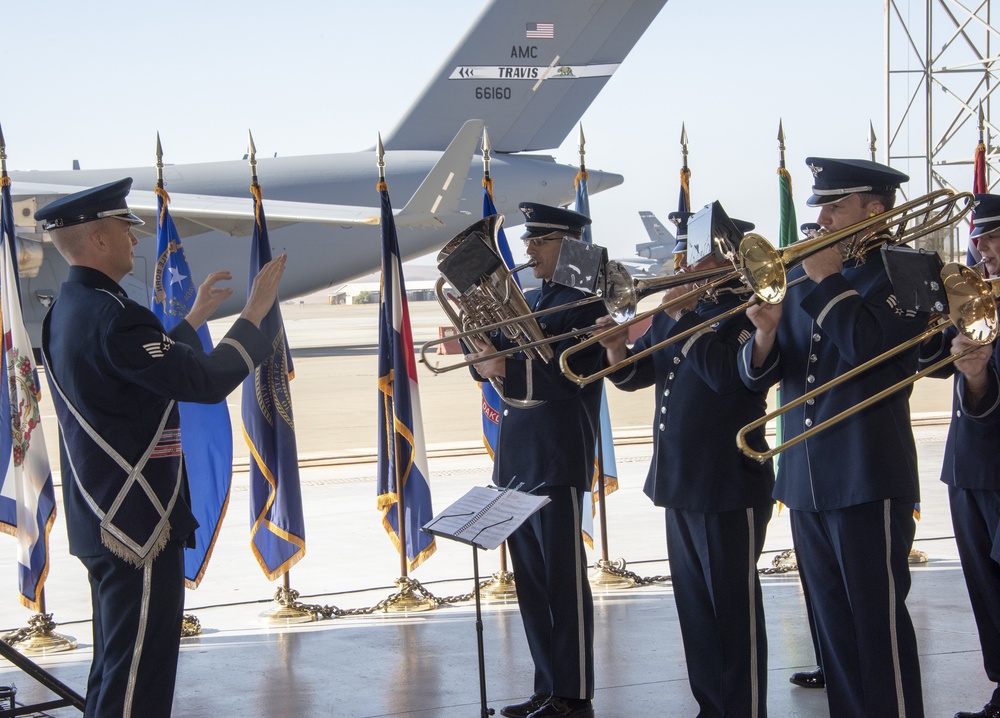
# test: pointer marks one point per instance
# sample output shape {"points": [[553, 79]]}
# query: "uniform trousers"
{"points": [[713, 570], [553, 594], [854, 563], [137, 632], [976, 518]]}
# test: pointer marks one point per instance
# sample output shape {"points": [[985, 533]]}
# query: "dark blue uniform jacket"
{"points": [[825, 330], [120, 369], [551, 443], [701, 402], [971, 460]]}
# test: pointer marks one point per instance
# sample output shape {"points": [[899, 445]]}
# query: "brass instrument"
{"points": [[764, 269], [756, 263], [972, 310], [489, 298], [619, 292]]}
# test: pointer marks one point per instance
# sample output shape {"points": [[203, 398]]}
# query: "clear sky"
{"points": [[96, 81]]}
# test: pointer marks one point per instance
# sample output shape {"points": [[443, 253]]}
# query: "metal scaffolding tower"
{"points": [[940, 75]]}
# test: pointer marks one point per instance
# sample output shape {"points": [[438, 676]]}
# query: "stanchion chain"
{"points": [[407, 586], [783, 562], [190, 626], [617, 568]]}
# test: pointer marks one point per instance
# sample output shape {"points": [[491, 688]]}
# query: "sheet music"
{"points": [[485, 516]]}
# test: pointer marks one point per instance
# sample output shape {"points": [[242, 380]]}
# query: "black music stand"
{"points": [[68, 697], [484, 518]]}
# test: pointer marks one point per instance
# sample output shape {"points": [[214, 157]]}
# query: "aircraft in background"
{"points": [[659, 251], [527, 81]]}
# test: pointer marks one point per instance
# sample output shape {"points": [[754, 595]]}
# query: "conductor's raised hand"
{"points": [[209, 297], [264, 291]]}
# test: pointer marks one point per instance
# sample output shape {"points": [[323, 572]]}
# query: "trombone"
{"points": [[972, 310], [764, 269], [620, 294]]}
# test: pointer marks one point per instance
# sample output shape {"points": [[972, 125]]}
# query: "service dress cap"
{"points": [[541, 220], [681, 220], [107, 200], [986, 216], [834, 179]]}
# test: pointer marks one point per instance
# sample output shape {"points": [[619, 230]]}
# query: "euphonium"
{"points": [[487, 294]]}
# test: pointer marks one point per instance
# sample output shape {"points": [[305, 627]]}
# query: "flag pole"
{"points": [[285, 611], [410, 596], [39, 636], [605, 575], [190, 625], [501, 585], [400, 509], [685, 191], [915, 556]]}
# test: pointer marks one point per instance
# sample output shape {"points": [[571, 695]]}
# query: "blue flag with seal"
{"points": [[206, 430], [605, 454], [402, 460], [491, 399], [27, 496], [277, 526]]}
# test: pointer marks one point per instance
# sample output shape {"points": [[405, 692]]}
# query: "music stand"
{"points": [[67, 696], [484, 518]]}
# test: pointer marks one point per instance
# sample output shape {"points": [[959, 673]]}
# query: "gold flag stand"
{"points": [[286, 610], [39, 637], [607, 575]]}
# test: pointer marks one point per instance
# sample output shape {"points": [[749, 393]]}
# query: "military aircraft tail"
{"points": [[661, 244], [528, 69]]}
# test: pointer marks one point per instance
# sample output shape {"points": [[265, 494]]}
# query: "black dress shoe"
{"points": [[556, 707], [523, 710], [990, 710], [809, 679]]}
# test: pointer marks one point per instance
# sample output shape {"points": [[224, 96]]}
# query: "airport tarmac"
{"points": [[425, 664]]}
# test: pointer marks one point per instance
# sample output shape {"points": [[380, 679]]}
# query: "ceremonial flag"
{"points": [[787, 234], [788, 226], [27, 497], [491, 399], [402, 460], [206, 431], [277, 530], [604, 460], [683, 204], [979, 186]]}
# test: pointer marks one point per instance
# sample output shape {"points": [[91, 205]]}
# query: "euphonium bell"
{"points": [[487, 297]]}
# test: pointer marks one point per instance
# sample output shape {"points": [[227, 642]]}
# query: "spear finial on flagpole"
{"points": [[982, 125], [159, 189], [159, 162], [871, 139], [583, 142], [486, 155], [252, 152], [781, 145], [380, 153], [684, 147], [3, 149]]}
